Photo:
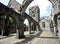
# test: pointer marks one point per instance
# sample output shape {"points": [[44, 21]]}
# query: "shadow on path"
{"points": [[4, 37], [50, 37], [29, 38]]}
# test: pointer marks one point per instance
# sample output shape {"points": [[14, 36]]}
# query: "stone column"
{"points": [[55, 30], [5, 30], [2, 33], [36, 27], [3, 27], [20, 33], [0, 29], [33, 27], [20, 27], [29, 27]]}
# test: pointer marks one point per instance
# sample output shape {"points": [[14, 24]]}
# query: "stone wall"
{"points": [[34, 12], [14, 5]]}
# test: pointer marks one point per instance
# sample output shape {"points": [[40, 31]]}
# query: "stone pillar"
{"points": [[20, 28], [36, 27], [55, 24], [2, 33], [20, 33], [29, 27], [0, 29], [1, 25], [5, 30], [55, 30], [33, 27]]}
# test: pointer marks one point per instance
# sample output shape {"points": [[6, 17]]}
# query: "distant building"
{"points": [[34, 12], [47, 23]]}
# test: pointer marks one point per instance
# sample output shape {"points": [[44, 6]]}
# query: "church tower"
{"points": [[34, 12]]}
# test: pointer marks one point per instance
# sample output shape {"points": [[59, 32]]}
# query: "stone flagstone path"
{"points": [[47, 37]]}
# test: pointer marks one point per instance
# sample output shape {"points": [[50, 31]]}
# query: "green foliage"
{"points": [[25, 25], [12, 21], [1, 17]]}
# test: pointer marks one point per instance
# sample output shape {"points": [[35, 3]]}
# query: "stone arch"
{"points": [[18, 17], [56, 23], [6, 12], [6, 24], [26, 23], [56, 18], [29, 20], [12, 24]]}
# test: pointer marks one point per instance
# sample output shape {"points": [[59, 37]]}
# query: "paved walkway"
{"points": [[47, 34], [14, 40], [46, 38]]}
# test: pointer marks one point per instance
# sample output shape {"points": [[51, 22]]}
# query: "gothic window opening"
{"points": [[33, 15]]}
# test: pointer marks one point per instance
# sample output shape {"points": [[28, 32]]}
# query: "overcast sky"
{"points": [[44, 5]]}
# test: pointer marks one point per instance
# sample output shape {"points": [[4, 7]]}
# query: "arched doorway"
{"points": [[26, 24]]}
